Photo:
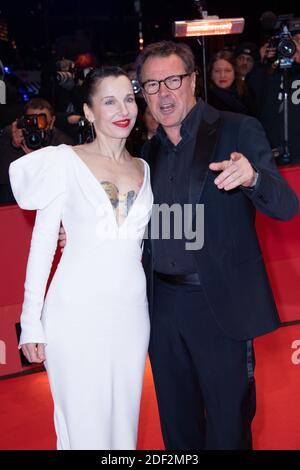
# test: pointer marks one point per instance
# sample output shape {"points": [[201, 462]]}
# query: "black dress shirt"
{"points": [[171, 186]]}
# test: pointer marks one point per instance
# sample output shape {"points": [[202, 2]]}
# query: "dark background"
{"points": [[110, 28]]}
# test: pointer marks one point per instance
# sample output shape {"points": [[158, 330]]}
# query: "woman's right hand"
{"points": [[34, 352]]}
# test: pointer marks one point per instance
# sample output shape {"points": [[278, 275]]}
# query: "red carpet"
{"points": [[26, 406]]}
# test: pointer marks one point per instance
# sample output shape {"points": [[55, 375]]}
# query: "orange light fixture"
{"points": [[210, 26]]}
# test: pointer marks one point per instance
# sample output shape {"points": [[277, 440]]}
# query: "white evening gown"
{"points": [[94, 320]]}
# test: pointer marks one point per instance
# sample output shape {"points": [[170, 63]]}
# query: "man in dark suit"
{"points": [[207, 304]]}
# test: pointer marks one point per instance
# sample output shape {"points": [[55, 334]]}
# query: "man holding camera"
{"points": [[35, 129], [250, 69], [280, 123]]}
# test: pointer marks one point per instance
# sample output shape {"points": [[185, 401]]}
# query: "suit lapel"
{"points": [[207, 138]]}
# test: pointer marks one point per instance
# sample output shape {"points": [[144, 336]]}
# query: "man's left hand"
{"points": [[235, 172]]}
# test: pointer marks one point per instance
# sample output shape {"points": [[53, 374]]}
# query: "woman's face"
{"points": [[114, 109], [222, 74]]}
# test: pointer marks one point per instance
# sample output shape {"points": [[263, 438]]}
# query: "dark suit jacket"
{"points": [[230, 264]]}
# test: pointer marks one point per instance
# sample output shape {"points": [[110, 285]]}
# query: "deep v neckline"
{"points": [[99, 184]]}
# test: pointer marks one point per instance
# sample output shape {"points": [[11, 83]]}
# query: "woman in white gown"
{"points": [[92, 329]]}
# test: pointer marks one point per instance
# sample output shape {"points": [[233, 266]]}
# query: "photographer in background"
{"points": [[24, 130], [34, 130], [272, 114], [250, 68]]}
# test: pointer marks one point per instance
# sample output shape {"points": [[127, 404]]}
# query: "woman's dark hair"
{"points": [[95, 76], [165, 49]]}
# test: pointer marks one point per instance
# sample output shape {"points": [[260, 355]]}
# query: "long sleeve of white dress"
{"points": [[38, 182]]}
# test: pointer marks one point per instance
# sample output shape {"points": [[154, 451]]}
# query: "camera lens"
{"points": [[286, 48], [34, 140]]}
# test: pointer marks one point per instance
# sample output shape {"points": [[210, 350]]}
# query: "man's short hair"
{"points": [[165, 49], [38, 104]]}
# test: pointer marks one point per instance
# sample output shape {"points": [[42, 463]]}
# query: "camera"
{"points": [[34, 130], [69, 75], [64, 74], [63, 77], [285, 47], [281, 29]]}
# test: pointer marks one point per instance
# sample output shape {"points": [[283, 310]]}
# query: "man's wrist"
{"points": [[255, 181], [255, 178]]}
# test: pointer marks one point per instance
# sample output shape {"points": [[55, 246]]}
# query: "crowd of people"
{"points": [[244, 79]]}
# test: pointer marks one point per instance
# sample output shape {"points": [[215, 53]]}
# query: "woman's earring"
{"points": [[92, 131]]}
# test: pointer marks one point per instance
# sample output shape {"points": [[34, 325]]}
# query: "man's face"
{"points": [[50, 118], [169, 107], [296, 39], [244, 64]]}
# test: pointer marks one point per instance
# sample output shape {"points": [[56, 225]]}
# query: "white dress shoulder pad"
{"points": [[38, 178]]}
